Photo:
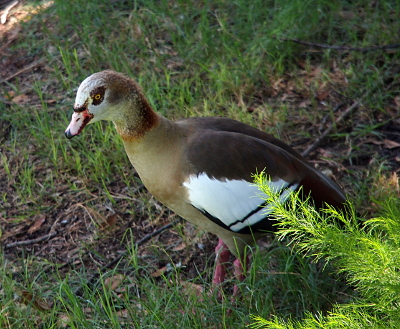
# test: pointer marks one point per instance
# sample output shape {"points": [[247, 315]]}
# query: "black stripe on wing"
{"points": [[264, 224]]}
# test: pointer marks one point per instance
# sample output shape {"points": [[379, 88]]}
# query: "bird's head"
{"points": [[99, 97]]}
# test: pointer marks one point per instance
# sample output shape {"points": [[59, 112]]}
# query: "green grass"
{"points": [[227, 58], [141, 300]]}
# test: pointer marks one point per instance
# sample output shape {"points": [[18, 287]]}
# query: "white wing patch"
{"points": [[236, 203]]}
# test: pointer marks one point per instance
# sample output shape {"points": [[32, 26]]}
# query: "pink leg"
{"points": [[222, 257], [240, 267]]}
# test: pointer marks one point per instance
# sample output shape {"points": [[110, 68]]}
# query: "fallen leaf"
{"points": [[347, 14], [325, 153], [21, 99], [192, 288], [373, 141], [327, 172], [28, 298], [389, 144], [397, 101], [159, 272], [114, 282], [36, 226], [10, 95], [321, 96], [316, 71], [180, 247], [62, 188], [64, 320], [305, 103], [110, 221], [123, 313]]}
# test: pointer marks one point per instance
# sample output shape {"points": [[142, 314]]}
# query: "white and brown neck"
{"points": [[134, 116], [134, 124]]}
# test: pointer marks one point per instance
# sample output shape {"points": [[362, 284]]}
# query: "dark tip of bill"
{"points": [[68, 134]]}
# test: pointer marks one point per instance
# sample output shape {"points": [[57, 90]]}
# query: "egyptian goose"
{"points": [[201, 168]]}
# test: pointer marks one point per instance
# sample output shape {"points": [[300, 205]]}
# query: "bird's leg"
{"points": [[222, 257], [240, 266]]}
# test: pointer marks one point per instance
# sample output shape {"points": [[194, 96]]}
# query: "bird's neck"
{"points": [[156, 156], [136, 119]]}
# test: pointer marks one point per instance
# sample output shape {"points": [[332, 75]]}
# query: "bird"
{"points": [[202, 168]]}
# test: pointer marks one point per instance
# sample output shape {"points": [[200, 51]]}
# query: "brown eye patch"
{"points": [[97, 95]]}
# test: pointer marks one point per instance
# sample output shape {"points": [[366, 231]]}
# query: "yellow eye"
{"points": [[97, 97]]}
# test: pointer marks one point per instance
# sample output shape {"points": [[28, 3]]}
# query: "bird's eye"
{"points": [[97, 95]]}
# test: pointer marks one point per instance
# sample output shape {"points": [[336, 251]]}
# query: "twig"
{"points": [[146, 238], [320, 45], [326, 117], [26, 68], [341, 118], [115, 261], [33, 241], [318, 141]]}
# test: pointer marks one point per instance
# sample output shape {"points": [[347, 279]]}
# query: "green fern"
{"points": [[368, 256]]}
